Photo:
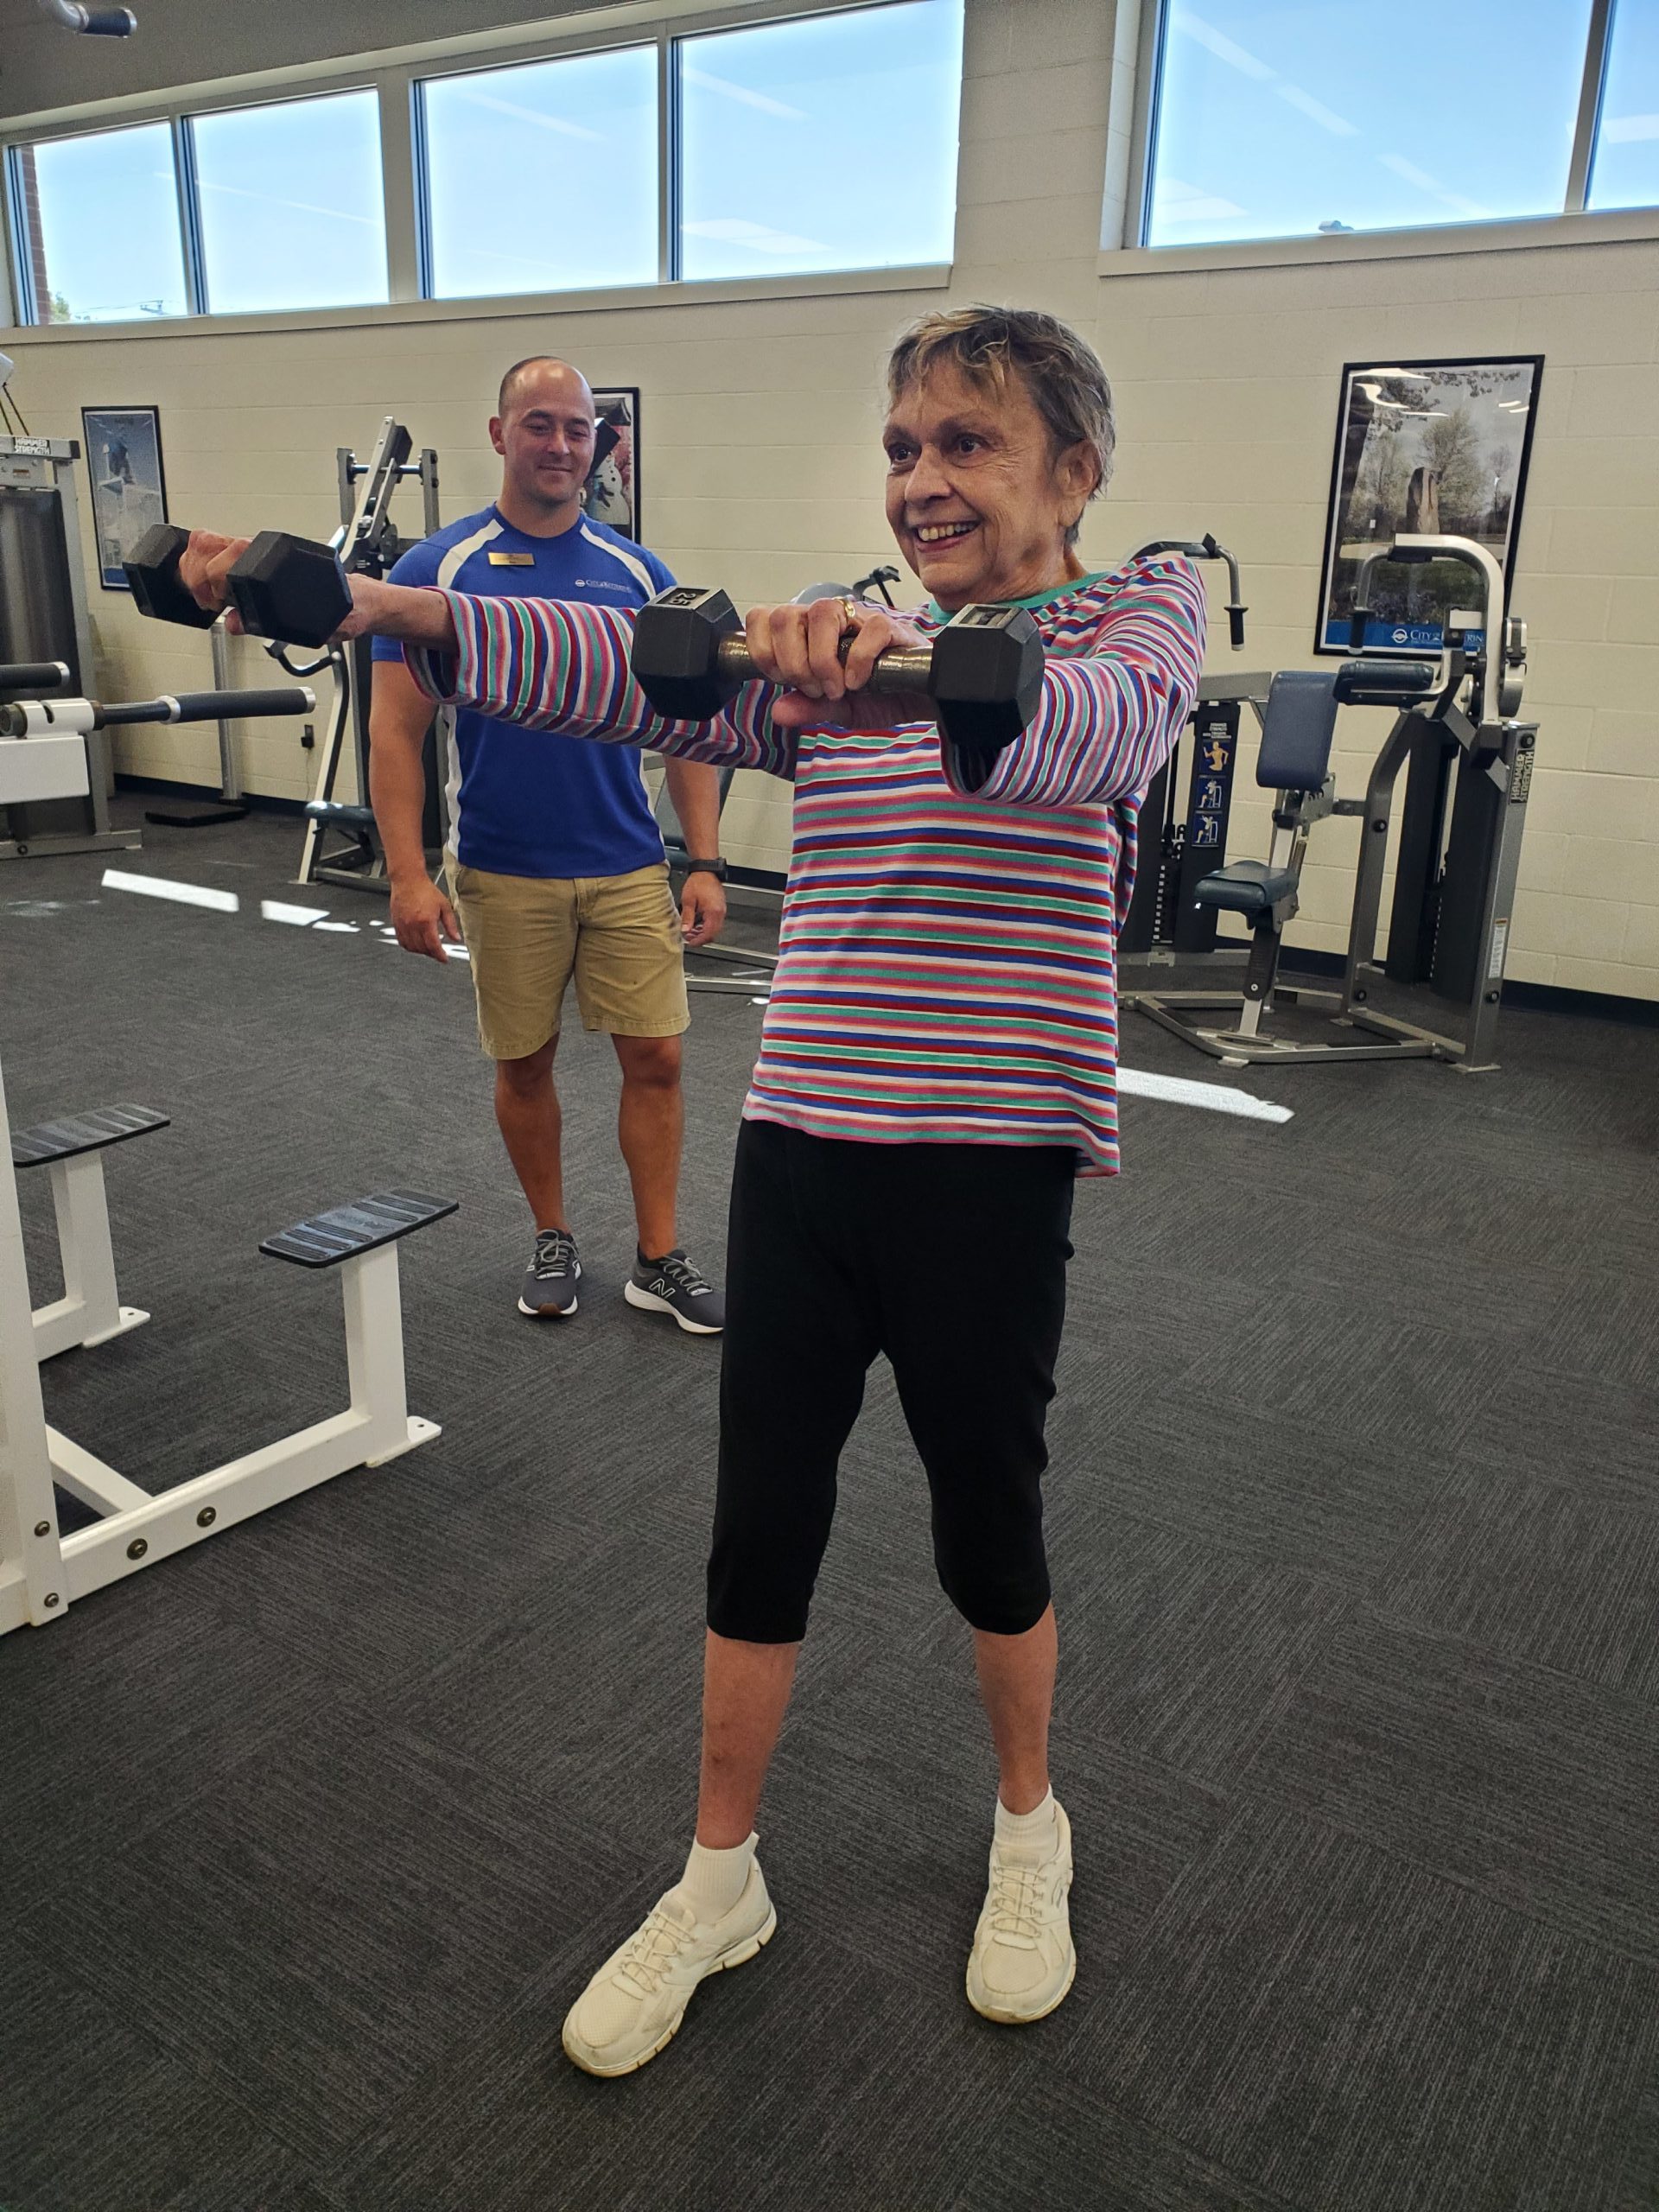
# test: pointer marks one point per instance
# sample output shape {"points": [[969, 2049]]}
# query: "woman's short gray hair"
{"points": [[1061, 372]]}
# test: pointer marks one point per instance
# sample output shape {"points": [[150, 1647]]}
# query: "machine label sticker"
{"points": [[1206, 830], [1500, 945], [1211, 795]]}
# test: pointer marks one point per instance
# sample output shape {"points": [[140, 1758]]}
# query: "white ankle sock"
{"points": [[1034, 1827], [713, 1880]]}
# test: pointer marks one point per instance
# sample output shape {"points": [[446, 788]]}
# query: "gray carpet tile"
{"points": [[1189, 1655], [1599, 1438], [513, 2126], [1609, 1328], [1406, 1277], [1181, 1460], [1537, 1789], [160, 1702], [1291, 2011], [575, 1709], [1639, 2188], [910, 1910], [1099, 2159], [93, 2113], [1341, 1369], [322, 1825], [362, 1902], [1538, 1572]]}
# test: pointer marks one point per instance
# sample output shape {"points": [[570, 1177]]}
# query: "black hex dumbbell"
{"points": [[282, 587], [152, 572], [984, 671], [291, 588]]}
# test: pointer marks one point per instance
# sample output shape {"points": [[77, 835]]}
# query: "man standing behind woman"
{"points": [[556, 868]]}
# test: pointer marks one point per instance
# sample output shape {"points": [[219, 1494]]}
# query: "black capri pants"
{"points": [[950, 1259]]}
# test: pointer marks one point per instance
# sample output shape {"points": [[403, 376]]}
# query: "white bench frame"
{"points": [[43, 1573]]}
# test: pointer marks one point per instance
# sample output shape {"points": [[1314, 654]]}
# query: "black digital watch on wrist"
{"points": [[717, 868]]}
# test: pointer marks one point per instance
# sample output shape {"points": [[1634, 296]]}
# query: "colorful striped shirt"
{"points": [[947, 966]]}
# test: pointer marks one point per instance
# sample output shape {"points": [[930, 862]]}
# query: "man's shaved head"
{"points": [[523, 372], [545, 433]]}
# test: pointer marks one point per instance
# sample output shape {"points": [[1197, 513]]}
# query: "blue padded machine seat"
{"points": [[1296, 732], [1245, 887]]}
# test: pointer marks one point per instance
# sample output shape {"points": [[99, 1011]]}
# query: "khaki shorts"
{"points": [[527, 936]]}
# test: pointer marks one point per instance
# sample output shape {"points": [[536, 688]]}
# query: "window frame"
{"points": [[395, 76], [188, 173], [616, 41], [1423, 239], [16, 260]]}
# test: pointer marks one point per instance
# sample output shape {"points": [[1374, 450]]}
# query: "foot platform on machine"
{"points": [[72, 1134], [344, 1232]]}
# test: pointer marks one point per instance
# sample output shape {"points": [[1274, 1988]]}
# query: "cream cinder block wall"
{"points": [[761, 469], [1226, 386]]}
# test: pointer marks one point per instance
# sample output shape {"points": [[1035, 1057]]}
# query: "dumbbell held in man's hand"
{"points": [[289, 588], [984, 670]]}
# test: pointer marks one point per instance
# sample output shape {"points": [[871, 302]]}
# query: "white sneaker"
{"points": [[1023, 1961], [633, 2006]]}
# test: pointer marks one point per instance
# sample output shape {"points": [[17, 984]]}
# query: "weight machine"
{"points": [[43, 757], [43, 622], [1468, 763], [368, 544], [1166, 920]]}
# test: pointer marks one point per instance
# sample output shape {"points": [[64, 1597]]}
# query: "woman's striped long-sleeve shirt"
{"points": [[947, 963]]}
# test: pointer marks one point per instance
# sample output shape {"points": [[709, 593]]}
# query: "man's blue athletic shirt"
{"points": [[530, 801]]}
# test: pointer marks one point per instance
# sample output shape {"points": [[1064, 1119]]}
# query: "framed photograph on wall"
{"points": [[1436, 447], [611, 492], [124, 458]]}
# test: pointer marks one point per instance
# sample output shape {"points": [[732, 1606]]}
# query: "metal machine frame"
{"points": [[1494, 755], [47, 464], [42, 1571], [368, 544]]}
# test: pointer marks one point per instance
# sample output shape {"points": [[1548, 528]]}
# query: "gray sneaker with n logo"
{"points": [[549, 1285], [677, 1286]]}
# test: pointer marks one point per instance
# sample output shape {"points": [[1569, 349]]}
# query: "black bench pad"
{"points": [[1245, 887], [78, 1132], [340, 813], [344, 1232], [1384, 683]]}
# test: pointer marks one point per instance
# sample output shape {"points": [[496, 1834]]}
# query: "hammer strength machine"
{"points": [[1468, 763]]}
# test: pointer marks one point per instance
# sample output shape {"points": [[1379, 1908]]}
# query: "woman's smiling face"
{"points": [[976, 497]]}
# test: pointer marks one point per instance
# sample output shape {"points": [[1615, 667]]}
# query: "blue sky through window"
{"points": [[544, 178], [292, 210], [1283, 118], [830, 143], [109, 212], [1625, 173]]}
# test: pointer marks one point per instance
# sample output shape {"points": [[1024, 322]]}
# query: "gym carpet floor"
{"points": [[310, 1836]]}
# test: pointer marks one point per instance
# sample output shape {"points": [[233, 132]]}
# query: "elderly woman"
{"points": [[935, 1066]]}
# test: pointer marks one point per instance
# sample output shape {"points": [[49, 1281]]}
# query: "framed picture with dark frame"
{"points": [[611, 492], [1435, 448], [123, 460]]}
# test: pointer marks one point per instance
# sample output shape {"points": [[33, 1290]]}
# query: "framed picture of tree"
{"points": [[1436, 448]]}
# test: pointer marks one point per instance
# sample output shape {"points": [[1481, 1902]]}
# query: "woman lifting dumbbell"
{"points": [[937, 1064]]}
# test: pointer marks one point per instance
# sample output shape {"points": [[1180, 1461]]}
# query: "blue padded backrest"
{"points": [[1296, 733]]}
